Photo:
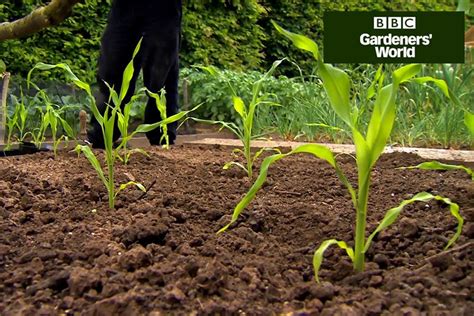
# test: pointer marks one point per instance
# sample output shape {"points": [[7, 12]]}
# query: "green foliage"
{"points": [[246, 113], [425, 117], [3, 68], [222, 34], [75, 41], [369, 143], [234, 34], [160, 101], [106, 122], [436, 165]]}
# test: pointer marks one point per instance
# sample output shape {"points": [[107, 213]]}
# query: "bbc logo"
{"points": [[394, 22]]}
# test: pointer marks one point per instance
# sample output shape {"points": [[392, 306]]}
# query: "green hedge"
{"points": [[75, 41], [224, 33], [234, 34]]}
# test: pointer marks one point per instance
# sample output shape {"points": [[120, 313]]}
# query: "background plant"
{"points": [[106, 122], [369, 147], [160, 101], [436, 165], [244, 128]]}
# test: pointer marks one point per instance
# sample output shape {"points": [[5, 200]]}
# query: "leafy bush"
{"points": [[75, 42], [214, 32]]}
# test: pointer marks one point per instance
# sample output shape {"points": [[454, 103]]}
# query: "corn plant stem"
{"points": [[248, 157], [55, 145], [111, 188], [361, 217]]}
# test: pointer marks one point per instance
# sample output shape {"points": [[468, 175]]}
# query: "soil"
{"points": [[63, 252]]}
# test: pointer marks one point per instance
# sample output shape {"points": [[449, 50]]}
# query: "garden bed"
{"points": [[62, 251]]}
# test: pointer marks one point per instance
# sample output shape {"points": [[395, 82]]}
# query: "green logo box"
{"points": [[393, 37]]}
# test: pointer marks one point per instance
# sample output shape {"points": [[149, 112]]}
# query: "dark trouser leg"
{"points": [[118, 43], [161, 70]]}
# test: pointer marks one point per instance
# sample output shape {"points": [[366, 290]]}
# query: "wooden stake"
{"points": [[3, 106]]}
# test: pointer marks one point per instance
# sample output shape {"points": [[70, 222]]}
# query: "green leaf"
{"points": [[3, 66], [381, 121], [405, 73], [123, 186], [144, 128], [300, 41], [239, 106], [93, 161], [112, 94], [138, 151], [337, 86], [319, 254], [213, 71], [435, 165], [267, 162], [228, 165], [128, 73], [469, 122], [438, 82], [393, 213], [334, 128], [371, 90], [230, 126], [464, 5], [320, 151], [264, 149], [69, 75], [67, 128]]}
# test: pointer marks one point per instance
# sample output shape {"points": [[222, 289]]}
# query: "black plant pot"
{"points": [[25, 148]]}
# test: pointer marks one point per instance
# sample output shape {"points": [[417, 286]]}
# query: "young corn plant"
{"points": [[244, 131], [17, 121], [436, 165], [22, 115], [51, 118], [160, 100], [107, 122], [123, 118], [369, 147], [11, 123]]}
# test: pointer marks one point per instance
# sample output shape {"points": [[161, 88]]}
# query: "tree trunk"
{"points": [[54, 13]]}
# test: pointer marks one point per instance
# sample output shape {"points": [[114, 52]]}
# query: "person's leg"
{"points": [[161, 68], [118, 43]]}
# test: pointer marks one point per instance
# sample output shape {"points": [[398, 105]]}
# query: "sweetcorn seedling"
{"points": [[107, 122], [246, 113], [123, 118], [22, 115], [436, 165], [11, 122], [368, 147], [50, 117], [160, 100]]}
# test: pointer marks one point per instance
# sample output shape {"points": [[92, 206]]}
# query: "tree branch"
{"points": [[52, 14]]}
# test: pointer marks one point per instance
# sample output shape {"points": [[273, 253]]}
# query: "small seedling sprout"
{"points": [[244, 131], [107, 122]]}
